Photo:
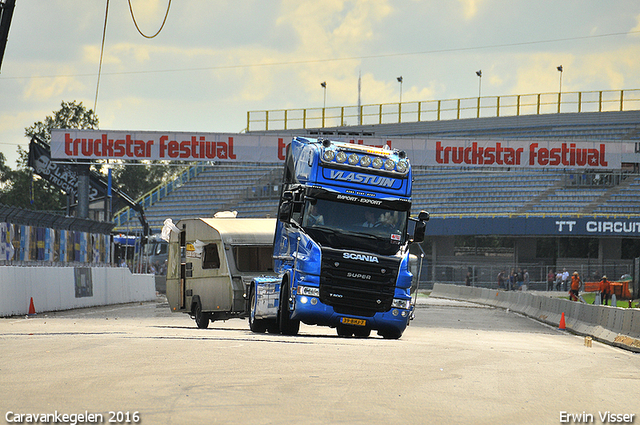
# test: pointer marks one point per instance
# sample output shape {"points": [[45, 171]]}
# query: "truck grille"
{"points": [[355, 285]]}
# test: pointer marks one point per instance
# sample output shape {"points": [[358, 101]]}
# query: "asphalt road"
{"points": [[456, 363]]}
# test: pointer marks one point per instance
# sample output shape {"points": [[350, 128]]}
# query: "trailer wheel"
{"points": [[202, 320], [256, 325], [287, 326]]}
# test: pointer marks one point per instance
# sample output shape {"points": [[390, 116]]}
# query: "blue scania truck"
{"points": [[341, 244]]}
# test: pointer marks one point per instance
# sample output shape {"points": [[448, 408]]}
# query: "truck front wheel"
{"points": [[287, 326]]}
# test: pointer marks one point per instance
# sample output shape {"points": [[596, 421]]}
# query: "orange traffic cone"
{"points": [[32, 308], [562, 325]]}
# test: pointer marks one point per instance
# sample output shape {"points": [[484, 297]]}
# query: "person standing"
{"points": [[525, 280], [575, 286], [558, 280], [512, 280], [520, 279], [550, 280], [565, 279], [501, 279], [605, 290]]}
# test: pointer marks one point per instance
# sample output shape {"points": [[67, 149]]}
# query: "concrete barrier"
{"points": [[613, 325], [63, 288]]}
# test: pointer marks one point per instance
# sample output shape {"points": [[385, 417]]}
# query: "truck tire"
{"points": [[347, 331], [202, 320], [361, 332], [344, 331], [390, 334], [256, 325], [286, 325]]}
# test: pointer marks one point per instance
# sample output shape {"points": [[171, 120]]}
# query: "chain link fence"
{"points": [[486, 275]]}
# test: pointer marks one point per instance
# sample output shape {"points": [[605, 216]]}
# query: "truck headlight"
{"points": [[329, 155], [402, 166], [365, 161], [341, 157], [389, 164], [353, 159], [309, 291], [398, 303]]}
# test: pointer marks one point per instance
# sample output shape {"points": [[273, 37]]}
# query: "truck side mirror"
{"points": [[418, 226], [418, 232], [287, 195], [284, 212]]}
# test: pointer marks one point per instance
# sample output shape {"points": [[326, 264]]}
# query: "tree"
{"points": [[70, 115], [19, 187], [136, 178]]}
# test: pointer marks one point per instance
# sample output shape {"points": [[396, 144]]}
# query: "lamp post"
{"points": [[324, 103], [560, 69], [400, 103], [479, 74], [324, 87]]}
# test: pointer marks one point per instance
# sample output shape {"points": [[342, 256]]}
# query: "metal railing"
{"points": [[436, 110]]}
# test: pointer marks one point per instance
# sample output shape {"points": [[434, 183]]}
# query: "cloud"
{"points": [[469, 8], [637, 27], [61, 86], [608, 71]]}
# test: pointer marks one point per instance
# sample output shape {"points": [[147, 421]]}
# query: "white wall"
{"points": [[53, 288]]}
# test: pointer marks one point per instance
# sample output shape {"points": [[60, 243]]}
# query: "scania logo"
{"points": [[361, 257], [359, 276], [331, 294]]}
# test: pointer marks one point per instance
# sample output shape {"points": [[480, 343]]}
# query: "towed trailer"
{"points": [[212, 262]]}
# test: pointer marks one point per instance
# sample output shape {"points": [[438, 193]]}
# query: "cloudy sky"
{"points": [[214, 60]]}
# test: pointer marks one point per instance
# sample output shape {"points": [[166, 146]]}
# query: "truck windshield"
{"points": [[355, 226]]}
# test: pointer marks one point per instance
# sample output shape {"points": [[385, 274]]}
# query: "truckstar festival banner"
{"points": [[190, 146]]}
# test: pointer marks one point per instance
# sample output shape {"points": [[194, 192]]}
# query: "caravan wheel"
{"points": [[202, 320]]}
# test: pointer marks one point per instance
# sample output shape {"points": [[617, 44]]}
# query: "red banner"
{"points": [[191, 146]]}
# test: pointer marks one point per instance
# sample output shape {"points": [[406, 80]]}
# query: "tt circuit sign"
{"points": [[600, 227], [534, 226], [191, 146]]}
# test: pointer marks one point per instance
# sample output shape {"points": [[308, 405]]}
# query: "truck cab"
{"points": [[341, 242]]}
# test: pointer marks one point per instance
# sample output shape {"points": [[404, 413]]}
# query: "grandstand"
{"points": [[250, 189]]}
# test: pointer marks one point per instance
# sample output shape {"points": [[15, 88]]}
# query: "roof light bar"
{"points": [[375, 157]]}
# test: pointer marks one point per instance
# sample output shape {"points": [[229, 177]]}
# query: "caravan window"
{"points": [[253, 258], [210, 258]]}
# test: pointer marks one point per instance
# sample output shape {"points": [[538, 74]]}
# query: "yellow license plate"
{"points": [[351, 321]]}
